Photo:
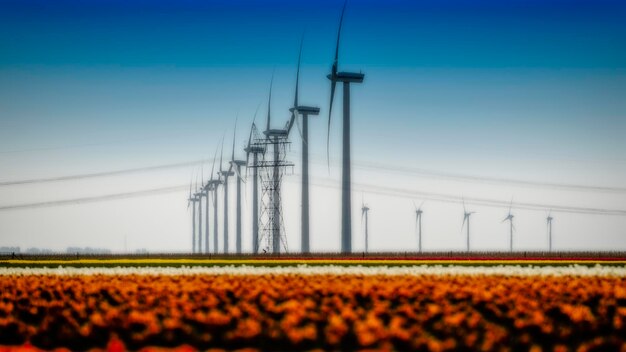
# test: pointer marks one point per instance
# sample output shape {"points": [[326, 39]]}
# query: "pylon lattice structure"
{"points": [[272, 166]]}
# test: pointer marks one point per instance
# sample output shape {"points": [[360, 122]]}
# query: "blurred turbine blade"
{"points": [[295, 100], [222, 154], [213, 166], [269, 103], [236, 168], [234, 137], [333, 82], [299, 128], [330, 111], [336, 61]]}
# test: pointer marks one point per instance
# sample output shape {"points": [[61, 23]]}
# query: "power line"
{"points": [[103, 173], [329, 183], [83, 145], [488, 180], [446, 198], [94, 199], [363, 165], [396, 169]]}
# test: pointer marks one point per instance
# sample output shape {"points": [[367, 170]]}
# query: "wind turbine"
{"points": [[364, 213], [236, 165], [549, 219], [346, 78], [305, 111], [509, 218], [255, 150], [226, 174], [466, 217], [418, 225]]}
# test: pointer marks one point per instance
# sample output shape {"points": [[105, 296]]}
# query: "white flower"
{"points": [[303, 269]]}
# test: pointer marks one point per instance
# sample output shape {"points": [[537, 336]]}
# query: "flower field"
{"points": [[307, 308]]}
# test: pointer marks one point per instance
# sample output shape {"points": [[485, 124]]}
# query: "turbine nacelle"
{"points": [[238, 162], [276, 133], [351, 77], [306, 110], [254, 149]]}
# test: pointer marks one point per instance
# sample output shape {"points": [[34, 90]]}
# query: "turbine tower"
{"points": [[236, 165], [509, 218], [466, 217], [226, 175], [364, 213], [199, 195], [207, 189], [205, 194], [346, 78], [549, 219], [305, 111], [418, 225], [214, 184], [254, 149], [191, 200]]}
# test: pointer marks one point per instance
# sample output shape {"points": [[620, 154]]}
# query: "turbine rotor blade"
{"points": [[222, 154], [236, 168], [234, 137], [269, 103], [333, 82], [336, 62], [253, 125], [213, 166], [300, 128], [295, 100]]}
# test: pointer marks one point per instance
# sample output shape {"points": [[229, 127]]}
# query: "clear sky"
{"points": [[527, 90]]}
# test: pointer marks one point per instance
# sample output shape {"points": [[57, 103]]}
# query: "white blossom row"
{"points": [[303, 269]]}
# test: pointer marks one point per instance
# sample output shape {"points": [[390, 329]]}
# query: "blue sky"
{"points": [[483, 34], [521, 89]]}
